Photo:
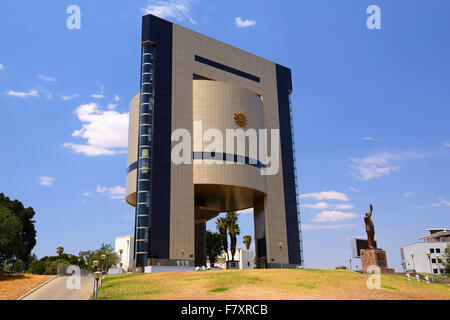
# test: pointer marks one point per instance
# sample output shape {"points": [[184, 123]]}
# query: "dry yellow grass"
{"points": [[13, 286], [268, 284]]}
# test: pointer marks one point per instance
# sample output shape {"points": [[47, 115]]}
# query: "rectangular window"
{"points": [[227, 68], [435, 270], [438, 250], [431, 250], [433, 260]]}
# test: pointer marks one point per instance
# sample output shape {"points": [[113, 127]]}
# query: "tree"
{"points": [[96, 255], [27, 234], [59, 251], [18, 266], [233, 231], [247, 241], [10, 228], [214, 246], [221, 225], [446, 260]]}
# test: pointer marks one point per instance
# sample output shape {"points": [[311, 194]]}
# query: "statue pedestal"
{"points": [[375, 257]]}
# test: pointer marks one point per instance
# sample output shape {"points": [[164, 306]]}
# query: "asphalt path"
{"points": [[64, 288]]}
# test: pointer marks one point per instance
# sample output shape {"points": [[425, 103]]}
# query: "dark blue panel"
{"points": [[159, 31], [227, 68], [227, 157], [132, 167], [284, 86]]}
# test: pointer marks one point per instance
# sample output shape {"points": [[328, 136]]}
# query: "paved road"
{"points": [[58, 289]]}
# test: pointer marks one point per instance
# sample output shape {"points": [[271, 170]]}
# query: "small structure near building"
{"points": [[426, 256], [125, 249], [243, 259]]}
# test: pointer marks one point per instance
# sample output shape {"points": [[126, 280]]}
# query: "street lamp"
{"points": [[106, 270], [439, 266], [281, 255], [350, 263], [98, 275], [363, 263], [240, 259], [182, 258], [414, 264], [431, 269], [120, 261], [95, 264], [103, 260]]}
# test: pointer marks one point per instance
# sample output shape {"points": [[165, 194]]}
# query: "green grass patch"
{"points": [[385, 286], [218, 289], [306, 285], [192, 279]]}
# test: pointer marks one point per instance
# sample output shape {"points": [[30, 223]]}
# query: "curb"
{"points": [[39, 286]]}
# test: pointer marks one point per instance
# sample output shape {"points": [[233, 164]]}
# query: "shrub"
{"points": [[18, 266]]}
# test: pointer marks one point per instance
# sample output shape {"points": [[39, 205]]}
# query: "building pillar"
{"points": [[200, 242]]}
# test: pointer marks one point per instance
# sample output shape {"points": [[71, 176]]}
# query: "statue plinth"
{"points": [[375, 257]]}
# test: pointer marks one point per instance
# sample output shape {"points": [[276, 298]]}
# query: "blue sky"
{"points": [[371, 113]]}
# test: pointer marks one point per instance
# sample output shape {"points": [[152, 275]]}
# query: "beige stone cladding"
{"points": [[187, 44], [133, 133]]}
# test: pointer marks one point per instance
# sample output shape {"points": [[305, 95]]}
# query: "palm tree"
{"points": [[247, 241], [222, 227], [231, 217], [233, 231], [59, 250]]}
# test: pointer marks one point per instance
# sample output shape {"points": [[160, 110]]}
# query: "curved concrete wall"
{"points": [[133, 134], [215, 104]]}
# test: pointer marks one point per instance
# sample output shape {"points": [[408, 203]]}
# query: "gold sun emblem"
{"points": [[240, 119]]}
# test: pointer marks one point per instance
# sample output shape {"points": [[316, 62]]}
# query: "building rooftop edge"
{"points": [[204, 35]]}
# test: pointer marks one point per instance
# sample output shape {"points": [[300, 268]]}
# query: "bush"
{"points": [[18, 266], [37, 267]]}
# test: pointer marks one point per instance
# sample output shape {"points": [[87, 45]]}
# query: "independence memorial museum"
{"points": [[194, 84]]}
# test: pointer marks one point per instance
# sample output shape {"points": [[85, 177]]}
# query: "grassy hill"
{"points": [[267, 284]]}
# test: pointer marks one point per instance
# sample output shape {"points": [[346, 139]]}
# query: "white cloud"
{"points": [[1, 67], [116, 98], [46, 181], [436, 204], [106, 131], [100, 94], [21, 94], [113, 192], [370, 139], [65, 98], [446, 144], [325, 195], [87, 194], [336, 226], [441, 203], [333, 216], [319, 205], [177, 9], [46, 78], [354, 190], [407, 194], [324, 205], [244, 23], [382, 163], [112, 106]]}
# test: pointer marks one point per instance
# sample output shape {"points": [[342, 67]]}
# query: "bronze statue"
{"points": [[370, 229]]}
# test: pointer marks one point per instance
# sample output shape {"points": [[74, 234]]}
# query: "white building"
{"points": [[245, 259], [414, 256], [126, 243]]}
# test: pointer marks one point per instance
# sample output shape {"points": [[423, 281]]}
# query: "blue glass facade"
{"points": [[144, 191]]}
